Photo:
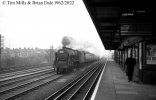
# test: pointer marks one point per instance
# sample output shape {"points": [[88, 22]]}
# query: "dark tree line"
{"points": [[14, 61]]}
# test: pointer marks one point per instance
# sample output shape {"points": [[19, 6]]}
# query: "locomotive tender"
{"points": [[67, 59]]}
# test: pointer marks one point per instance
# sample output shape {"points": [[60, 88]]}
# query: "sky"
{"points": [[42, 25]]}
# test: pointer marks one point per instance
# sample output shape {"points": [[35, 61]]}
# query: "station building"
{"points": [[127, 26]]}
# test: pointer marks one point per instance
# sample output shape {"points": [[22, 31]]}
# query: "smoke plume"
{"points": [[68, 41], [80, 45], [65, 41]]}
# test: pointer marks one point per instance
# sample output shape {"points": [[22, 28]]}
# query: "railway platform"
{"points": [[113, 85]]}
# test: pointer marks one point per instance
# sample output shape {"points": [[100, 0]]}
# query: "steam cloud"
{"points": [[81, 45], [65, 41], [68, 41]]}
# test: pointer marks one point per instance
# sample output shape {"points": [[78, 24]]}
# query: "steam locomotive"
{"points": [[67, 59]]}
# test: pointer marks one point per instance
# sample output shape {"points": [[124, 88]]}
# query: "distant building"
{"points": [[26, 52]]}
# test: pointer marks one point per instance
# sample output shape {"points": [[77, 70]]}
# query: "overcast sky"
{"points": [[45, 25]]}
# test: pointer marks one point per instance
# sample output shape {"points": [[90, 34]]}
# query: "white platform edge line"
{"points": [[98, 83]]}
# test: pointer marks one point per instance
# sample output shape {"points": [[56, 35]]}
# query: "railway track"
{"points": [[80, 88], [24, 72], [10, 69], [12, 88], [23, 78]]}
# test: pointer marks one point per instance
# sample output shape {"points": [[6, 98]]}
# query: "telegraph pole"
{"points": [[0, 51], [51, 55]]}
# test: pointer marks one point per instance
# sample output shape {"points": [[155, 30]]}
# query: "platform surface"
{"points": [[114, 85]]}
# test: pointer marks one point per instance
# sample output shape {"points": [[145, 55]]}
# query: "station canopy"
{"points": [[117, 20]]}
